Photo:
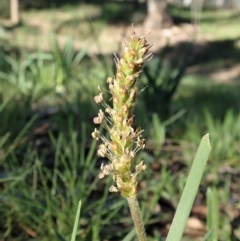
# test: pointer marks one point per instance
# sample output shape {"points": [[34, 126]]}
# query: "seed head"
{"points": [[118, 118]]}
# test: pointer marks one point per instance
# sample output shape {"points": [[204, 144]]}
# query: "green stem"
{"points": [[137, 219]]}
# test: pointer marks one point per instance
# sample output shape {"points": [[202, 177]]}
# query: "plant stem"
{"points": [[137, 219]]}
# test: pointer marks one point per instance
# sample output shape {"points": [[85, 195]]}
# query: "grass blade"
{"points": [[190, 190], [208, 235], [74, 233], [213, 213]]}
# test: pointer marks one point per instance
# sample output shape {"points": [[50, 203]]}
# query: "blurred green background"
{"points": [[53, 56]]}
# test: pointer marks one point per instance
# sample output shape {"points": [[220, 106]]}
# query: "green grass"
{"points": [[54, 176], [48, 160], [226, 21]]}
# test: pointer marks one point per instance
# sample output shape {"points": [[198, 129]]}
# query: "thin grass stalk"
{"points": [[137, 219]]}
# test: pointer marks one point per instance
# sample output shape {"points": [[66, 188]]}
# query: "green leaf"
{"points": [[213, 213], [190, 190], [208, 235], [74, 233]]}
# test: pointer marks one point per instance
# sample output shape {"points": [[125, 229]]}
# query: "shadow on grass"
{"points": [[184, 15], [224, 51], [218, 99], [114, 13]]}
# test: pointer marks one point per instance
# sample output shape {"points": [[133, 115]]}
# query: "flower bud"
{"points": [[113, 189], [99, 98]]}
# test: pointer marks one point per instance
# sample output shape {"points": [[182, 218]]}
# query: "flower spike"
{"points": [[118, 119]]}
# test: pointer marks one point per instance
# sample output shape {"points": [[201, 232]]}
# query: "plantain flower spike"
{"points": [[118, 119]]}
